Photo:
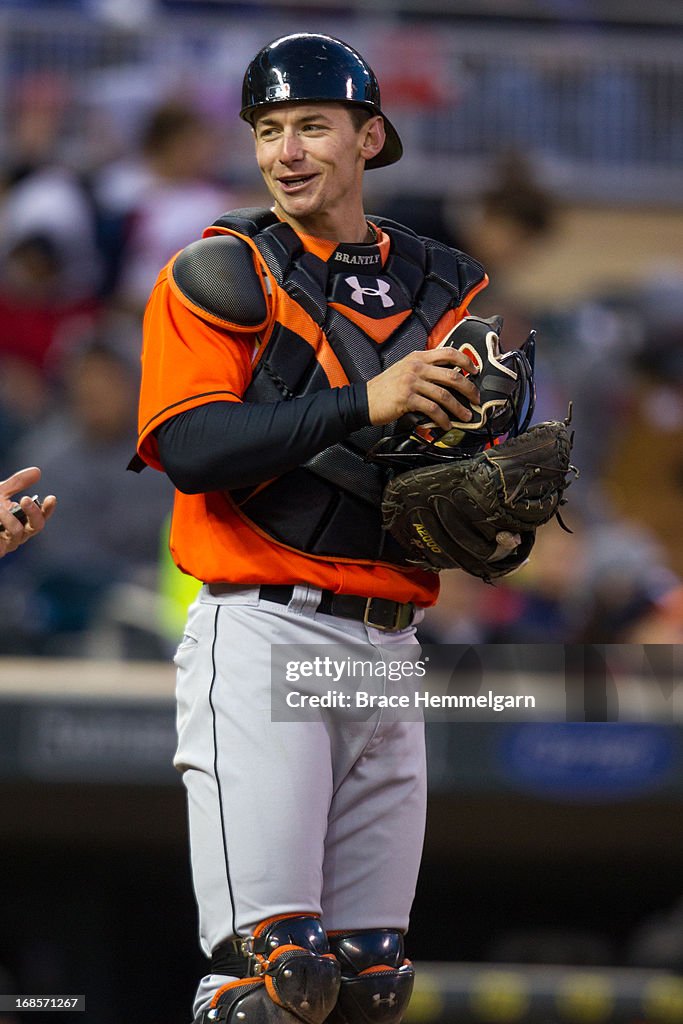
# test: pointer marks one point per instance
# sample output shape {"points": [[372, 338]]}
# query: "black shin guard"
{"points": [[290, 976], [376, 982]]}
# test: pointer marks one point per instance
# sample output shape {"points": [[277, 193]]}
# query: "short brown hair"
{"points": [[359, 116]]}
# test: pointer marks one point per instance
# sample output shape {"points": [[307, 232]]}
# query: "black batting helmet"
{"points": [[314, 68]]}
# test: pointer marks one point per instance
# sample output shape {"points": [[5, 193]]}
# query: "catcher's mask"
{"points": [[506, 404], [314, 68]]}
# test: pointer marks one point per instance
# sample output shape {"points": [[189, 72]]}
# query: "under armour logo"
{"points": [[389, 1000], [381, 291]]}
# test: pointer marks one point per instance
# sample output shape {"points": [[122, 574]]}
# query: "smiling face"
{"points": [[312, 158]]}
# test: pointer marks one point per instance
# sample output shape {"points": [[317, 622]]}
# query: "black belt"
{"points": [[389, 616]]}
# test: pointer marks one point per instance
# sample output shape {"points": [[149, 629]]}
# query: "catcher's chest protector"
{"points": [[330, 507]]}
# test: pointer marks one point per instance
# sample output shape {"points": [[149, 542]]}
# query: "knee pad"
{"points": [[289, 975], [376, 980]]}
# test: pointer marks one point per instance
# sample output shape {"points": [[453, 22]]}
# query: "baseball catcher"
{"points": [[278, 350], [465, 499]]}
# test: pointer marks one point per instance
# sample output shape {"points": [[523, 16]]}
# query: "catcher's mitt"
{"points": [[467, 513]]}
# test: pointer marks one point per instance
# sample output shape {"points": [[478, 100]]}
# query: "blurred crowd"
{"points": [[81, 243], [614, 360], [80, 249]]}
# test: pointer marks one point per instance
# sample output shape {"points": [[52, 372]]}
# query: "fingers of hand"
{"points": [[432, 410], [452, 357], [437, 384], [35, 518], [439, 406], [421, 383], [23, 480], [506, 542], [49, 504], [456, 381], [12, 532], [18, 528]]}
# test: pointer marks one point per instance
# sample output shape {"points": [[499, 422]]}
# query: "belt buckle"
{"points": [[394, 627], [254, 966]]}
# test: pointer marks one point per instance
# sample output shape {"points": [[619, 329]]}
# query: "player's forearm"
{"points": [[226, 445]]}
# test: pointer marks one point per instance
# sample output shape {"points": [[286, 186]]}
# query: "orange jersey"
{"points": [[189, 359]]}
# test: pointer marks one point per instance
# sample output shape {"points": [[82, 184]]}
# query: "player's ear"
{"points": [[372, 137]]}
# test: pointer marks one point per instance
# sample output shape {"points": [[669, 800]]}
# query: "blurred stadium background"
{"points": [[543, 136]]}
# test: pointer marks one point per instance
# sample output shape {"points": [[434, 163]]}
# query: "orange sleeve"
{"points": [[186, 362]]}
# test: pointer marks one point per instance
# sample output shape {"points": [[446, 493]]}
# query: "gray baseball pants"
{"points": [[324, 816]]}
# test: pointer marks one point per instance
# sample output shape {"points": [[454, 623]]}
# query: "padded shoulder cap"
{"points": [[217, 275], [248, 220]]}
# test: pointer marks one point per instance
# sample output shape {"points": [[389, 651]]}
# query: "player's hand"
{"points": [[15, 532], [422, 382]]}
